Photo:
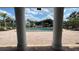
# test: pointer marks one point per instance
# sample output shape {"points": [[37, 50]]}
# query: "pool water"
{"points": [[39, 29]]}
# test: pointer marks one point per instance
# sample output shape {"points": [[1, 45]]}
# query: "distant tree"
{"points": [[73, 20], [72, 15], [4, 15], [7, 21], [32, 23]]}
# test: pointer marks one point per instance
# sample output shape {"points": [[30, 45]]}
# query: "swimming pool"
{"points": [[40, 29]]}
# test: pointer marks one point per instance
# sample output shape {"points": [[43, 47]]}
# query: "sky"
{"points": [[38, 15], [10, 12]]}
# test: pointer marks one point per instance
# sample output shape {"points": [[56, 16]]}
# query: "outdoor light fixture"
{"points": [[38, 8]]}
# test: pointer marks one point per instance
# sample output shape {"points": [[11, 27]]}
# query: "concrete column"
{"points": [[57, 28], [21, 29]]}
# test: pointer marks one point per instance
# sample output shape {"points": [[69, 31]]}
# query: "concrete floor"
{"points": [[42, 40]]}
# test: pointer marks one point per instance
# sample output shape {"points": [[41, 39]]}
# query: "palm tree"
{"points": [[4, 15], [72, 15]]}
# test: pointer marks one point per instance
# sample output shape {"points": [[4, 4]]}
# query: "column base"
{"points": [[21, 48], [57, 49]]}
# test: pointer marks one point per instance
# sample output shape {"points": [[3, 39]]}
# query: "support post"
{"points": [[21, 31], [57, 28]]}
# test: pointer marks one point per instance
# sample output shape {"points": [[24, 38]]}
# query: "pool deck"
{"points": [[69, 38]]}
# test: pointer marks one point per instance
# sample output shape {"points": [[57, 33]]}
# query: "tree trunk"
{"points": [[5, 25]]}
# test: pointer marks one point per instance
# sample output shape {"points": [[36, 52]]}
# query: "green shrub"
{"points": [[3, 29]]}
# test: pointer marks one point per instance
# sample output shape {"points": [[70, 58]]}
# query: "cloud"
{"points": [[68, 11], [2, 11], [31, 10], [8, 14], [51, 17], [47, 9], [66, 15], [34, 14]]}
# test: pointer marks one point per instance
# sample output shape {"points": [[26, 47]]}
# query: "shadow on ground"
{"points": [[46, 48]]}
